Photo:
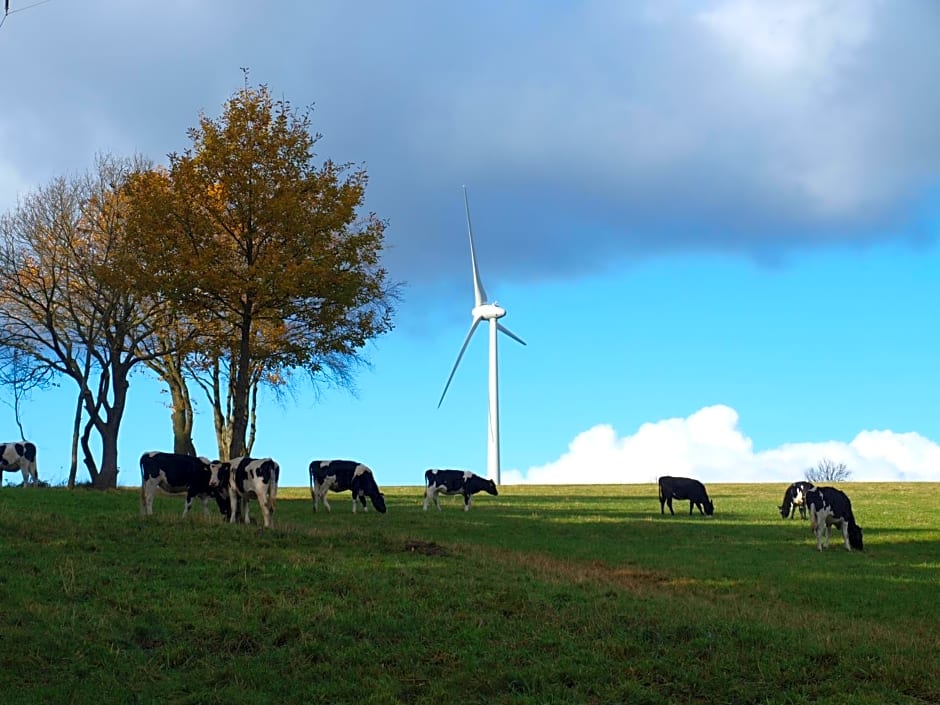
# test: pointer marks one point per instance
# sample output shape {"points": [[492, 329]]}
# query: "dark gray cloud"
{"points": [[588, 133]]}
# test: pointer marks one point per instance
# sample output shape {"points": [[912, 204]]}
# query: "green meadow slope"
{"points": [[578, 594]]}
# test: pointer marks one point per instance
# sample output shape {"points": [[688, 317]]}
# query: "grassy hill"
{"points": [[579, 594]]}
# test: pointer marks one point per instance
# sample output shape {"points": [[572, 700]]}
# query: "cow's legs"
{"points": [[319, 495], [266, 512], [466, 502], [432, 493], [845, 535], [822, 536], [146, 500]]}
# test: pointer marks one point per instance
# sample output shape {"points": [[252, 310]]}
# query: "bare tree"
{"points": [[71, 300], [20, 376], [827, 470]]}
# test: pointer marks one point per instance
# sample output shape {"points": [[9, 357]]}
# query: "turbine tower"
{"points": [[491, 312]]}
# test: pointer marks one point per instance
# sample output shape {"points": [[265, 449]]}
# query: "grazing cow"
{"points": [[342, 475], [454, 482], [22, 456], [246, 478], [795, 498], [174, 473], [671, 488], [831, 507]]}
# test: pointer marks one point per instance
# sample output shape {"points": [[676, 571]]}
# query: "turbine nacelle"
{"points": [[487, 312]]}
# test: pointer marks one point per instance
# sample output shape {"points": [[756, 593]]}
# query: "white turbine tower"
{"points": [[492, 312]]}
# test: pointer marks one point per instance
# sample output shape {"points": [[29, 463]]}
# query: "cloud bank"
{"points": [[709, 445]]}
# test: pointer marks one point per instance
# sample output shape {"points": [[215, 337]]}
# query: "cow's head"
{"points": [[855, 537], [218, 473], [709, 507], [490, 488], [378, 501], [364, 485]]}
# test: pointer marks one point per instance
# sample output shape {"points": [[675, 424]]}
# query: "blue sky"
{"points": [[714, 223]]}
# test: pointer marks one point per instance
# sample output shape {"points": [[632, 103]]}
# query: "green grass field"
{"points": [[578, 594]]}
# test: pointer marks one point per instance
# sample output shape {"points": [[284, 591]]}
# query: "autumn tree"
{"points": [[71, 301], [269, 250]]}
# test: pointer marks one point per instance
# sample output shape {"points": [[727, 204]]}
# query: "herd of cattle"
{"points": [[233, 483], [827, 507]]}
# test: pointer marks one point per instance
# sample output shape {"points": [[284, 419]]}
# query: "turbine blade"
{"points": [[508, 332], [479, 293], [463, 348]]}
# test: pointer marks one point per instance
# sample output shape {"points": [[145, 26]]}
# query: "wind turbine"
{"points": [[491, 312]]}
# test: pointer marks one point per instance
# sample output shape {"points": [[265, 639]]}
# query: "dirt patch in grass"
{"points": [[558, 570], [426, 548]]}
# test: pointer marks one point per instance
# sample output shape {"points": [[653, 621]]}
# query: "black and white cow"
{"points": [[341, 475], [671, 488], [455, 482], [246, 478], [831, 507], [795, 498], [20, 456], [174, 473]]}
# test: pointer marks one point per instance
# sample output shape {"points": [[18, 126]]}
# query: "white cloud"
{"points": [[791, 37], [710, 446]]}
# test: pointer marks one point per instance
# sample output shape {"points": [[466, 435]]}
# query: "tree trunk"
{"points": [[87, 456], [219, 417], [242, 385], [76, 432], [181, 415], [107, 476]]}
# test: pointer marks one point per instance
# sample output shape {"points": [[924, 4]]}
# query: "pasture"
{"points": [[576, 594]]}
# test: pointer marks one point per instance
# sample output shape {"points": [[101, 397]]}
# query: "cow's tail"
{"points": [[313, 495], [29, 451], [143, 485], [275, 480], [428, 474]]}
